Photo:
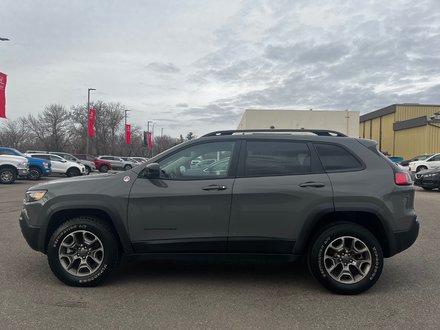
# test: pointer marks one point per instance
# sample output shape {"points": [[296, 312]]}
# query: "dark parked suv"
{"points": [[287, 193]]}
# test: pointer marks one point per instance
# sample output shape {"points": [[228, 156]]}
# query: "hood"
{"points": [[12, 158], [432, 171], [95, 179]]}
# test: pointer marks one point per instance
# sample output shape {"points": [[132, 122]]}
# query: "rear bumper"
{"points": [[404, 239]]}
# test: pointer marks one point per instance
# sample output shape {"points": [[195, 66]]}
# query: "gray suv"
{"points": [[334, 199]]}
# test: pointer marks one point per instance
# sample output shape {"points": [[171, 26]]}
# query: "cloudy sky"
{"points": [[196, 65]]}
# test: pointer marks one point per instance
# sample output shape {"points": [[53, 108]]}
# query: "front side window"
{"points": [[183, 165], [7, 152], [336, 158], [270, 158]]}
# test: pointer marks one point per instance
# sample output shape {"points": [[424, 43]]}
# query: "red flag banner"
{"points": [[150, 140], [3, 79], [127, 134], [92, 113]]}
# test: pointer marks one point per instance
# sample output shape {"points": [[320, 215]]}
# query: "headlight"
{"points": [[34, 195], [46, 165], [24, 164]]}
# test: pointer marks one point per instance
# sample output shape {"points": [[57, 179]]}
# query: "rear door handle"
{"points": [[312, 184], [215, 187]]}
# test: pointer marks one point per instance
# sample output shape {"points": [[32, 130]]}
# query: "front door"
{"points": [[187, 208]]}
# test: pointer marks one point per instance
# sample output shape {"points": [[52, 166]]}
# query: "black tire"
{"points": [[34, 174], [127, 167], [427, 188], [7, 175], [421, 168], [322, 257], [73, 171], [87, 170], [103, 169], [78, 255]]}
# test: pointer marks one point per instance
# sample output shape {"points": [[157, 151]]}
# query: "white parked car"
{"points": [[11, 167], [61, 165], [429, 163]]}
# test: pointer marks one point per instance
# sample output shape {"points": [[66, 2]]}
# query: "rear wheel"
{"points": [[34, 173], [346, 259], [7, 175], [83, 251], [87, 170], [73, 172], [127, 167]]}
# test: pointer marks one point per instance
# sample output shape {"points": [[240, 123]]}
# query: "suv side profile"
{"points": [[117, 162], [429, 163], [60, 165], [281, 193], [88, 165]]}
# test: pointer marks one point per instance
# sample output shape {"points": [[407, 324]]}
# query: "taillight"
{"points": [[402, 179]]}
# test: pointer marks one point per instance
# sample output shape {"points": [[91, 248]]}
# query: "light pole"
{"points": [[88, 114]]}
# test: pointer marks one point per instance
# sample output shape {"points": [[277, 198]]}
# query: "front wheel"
{"points": [[87, 170], [73, 172], [34, 174], [127, 167], [103, 169], [346, 259], [421, 168], [83, 251]]}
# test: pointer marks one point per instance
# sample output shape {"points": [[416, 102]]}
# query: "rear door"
{"points": [[280, 184]]}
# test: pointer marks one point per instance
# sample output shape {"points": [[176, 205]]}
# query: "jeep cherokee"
{"points": [[282, 193]]}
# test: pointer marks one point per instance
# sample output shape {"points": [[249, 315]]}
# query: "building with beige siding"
{"points": [[344, 121], [404, 130]]}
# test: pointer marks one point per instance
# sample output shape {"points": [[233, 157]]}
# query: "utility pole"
{"points": [[88, 114]]}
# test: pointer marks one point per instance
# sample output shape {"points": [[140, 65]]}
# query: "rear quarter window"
{"points": [[337, 158]]}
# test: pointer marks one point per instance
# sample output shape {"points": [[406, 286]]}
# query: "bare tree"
{"points": [[50, 127], [15, 134]]}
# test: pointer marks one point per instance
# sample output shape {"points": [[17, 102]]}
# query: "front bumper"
{"points": [[30, 233], [427, 182], [402, 240], [23, 171]]}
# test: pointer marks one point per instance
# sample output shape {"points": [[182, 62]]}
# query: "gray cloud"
{"points": [[162, 67], [254, 53]]}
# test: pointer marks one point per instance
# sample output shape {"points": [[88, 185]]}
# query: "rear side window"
{"points": [[270, 158], [336, 158]]}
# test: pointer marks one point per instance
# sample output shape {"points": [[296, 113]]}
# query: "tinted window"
{"points": [[434, 159], [335, 158], [7, 152], [276, 158], [183, 165], [41, 156]]}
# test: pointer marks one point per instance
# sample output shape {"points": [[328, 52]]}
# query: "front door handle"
{"points": [[215, 187], [312, 184]]}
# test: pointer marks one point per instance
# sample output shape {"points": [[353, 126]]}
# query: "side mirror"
{"points": [[152, 171], [63, 161]]}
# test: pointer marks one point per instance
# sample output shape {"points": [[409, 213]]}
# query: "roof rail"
{"points": [[319, 132]]}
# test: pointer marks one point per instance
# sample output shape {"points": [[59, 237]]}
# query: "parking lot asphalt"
{"points": [[213, 294]]}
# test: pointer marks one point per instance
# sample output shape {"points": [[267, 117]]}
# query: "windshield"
{"points": [[420, 157]]}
